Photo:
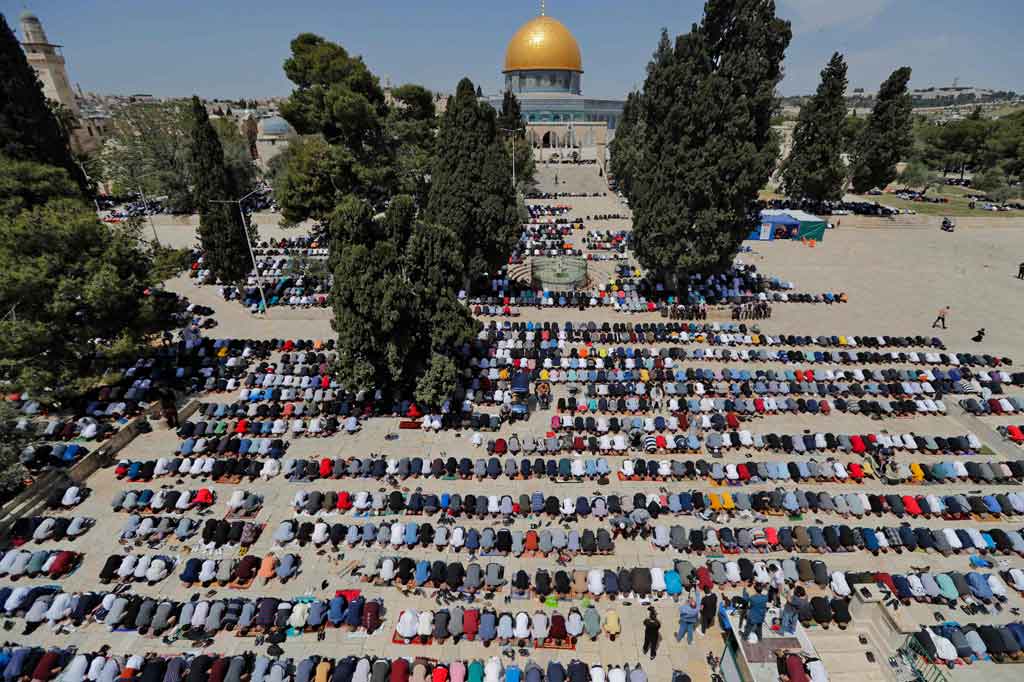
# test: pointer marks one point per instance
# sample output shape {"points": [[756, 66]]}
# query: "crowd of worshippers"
{"points": [[642, 507], [154, 616], [240, 573], [490, 541], [547, 240], [215, 533], [313, 244], [40, 529], [845, 349], [953, 644], [752, 311], [41, 563], [70, 665], [294, 291], [506, 628], [830, 208], [551, 212], [577, 468], [618, 241], [679, 311], [838, 538]]}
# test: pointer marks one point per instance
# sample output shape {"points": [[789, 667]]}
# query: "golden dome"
{"points": [[543, 44]]}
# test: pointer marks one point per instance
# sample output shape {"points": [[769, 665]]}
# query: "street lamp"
{"points": [[142, 194], [252, 254], [513, 131]]}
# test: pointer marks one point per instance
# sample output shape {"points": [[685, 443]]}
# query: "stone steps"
{"points": [[844, 655]]}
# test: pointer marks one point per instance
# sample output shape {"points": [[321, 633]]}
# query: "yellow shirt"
{"points": [[611, 623]]}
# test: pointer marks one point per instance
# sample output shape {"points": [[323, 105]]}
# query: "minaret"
{"points": [[48, 62]]}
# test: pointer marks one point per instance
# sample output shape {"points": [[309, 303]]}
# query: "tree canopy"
{"points": [[707, 107], [887, 136], [627, 146], [337, 99], [69, 280], [513, 127], [471, 183], [221, 230], [814, 170], [149, 147], [398, 320]]}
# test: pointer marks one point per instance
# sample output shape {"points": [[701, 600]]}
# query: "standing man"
{"points": [[1020, 271], [688, 615], [778, 580], [708, 610], [652, 633], [757, 609], [941, 318]]}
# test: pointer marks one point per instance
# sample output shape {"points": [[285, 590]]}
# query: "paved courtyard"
{"points": [[896, 280]]}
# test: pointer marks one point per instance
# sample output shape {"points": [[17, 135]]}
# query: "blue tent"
{"points": [[774, 225]]}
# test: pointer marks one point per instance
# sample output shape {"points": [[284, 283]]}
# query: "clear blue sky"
{"points": [[235, 49]]}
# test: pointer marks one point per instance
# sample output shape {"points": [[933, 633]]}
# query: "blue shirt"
{"points": [[758, 608]]}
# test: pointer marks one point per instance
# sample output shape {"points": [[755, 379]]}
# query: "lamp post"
{"points": [[252, 254], [513, 131], [142, 194]]}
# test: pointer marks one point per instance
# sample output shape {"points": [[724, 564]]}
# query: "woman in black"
{"points": [[652, 633]]}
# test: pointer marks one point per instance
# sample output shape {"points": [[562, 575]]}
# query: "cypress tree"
{"points": [[815, 170], [886, 137], [29, 131], [471, 183], [709, 147], [627, 147], [221, 230], [511, 117]]}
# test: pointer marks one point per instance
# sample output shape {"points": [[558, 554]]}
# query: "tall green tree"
{"points": [[398, 320], [337, 98], [887, 136], [411, 125], [628, 145], [237, 158], [708, 103], [221, 230], [513, 127], [148, 148], [336, 95], [314, 176], [12, 442], [471, 183], [814, 170], [71, 286], [29, 130]]}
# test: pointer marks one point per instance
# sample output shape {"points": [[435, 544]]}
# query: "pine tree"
{"points": [[221, 230], [887, 136], [29, 131], [471, 183], [815, 170], [708, 145]]}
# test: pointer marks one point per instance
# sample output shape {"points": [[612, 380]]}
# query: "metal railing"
{"points": [[914, 655]]}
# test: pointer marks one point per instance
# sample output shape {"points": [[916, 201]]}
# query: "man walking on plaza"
{"points": [[708, 609], [688, 615], [941, 318]]}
